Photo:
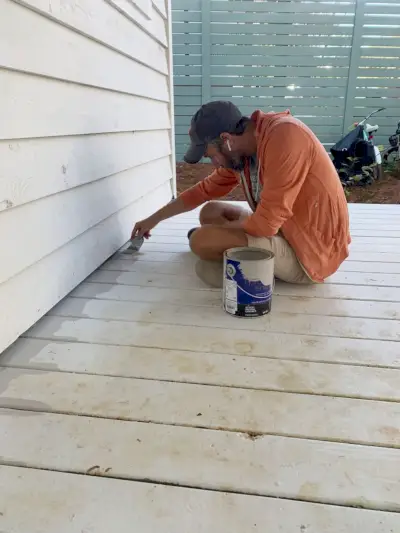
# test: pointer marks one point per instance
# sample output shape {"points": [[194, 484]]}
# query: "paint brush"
{"points": [[134, 245]]}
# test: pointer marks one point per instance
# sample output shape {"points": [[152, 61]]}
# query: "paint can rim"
{"points": [[230, 253]]}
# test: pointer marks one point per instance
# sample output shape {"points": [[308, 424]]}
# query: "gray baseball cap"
{"points": [[207, 124]]}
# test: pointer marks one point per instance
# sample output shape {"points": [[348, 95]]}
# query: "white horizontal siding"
{"points": [[72, 56], [85, 141], [36, 168], [33, 106], [31, 293], [100, 21], [72, 213]]}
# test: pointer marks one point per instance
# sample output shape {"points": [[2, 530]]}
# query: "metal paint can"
{"points": [[248, 282]]}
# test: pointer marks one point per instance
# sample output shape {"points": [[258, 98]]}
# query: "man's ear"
{"points": [[228, 140]]}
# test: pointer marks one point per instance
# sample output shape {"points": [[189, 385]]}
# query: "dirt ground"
{"points": [[385, 191]]}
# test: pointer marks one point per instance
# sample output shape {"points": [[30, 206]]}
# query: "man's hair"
{"points": [[241, 126], [239, 129]]}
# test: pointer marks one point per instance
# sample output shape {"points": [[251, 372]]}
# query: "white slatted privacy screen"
{"points": [[330, 62]]}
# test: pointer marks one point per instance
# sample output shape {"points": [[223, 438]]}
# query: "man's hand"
{"points": [[144, 227], [235, 224]]}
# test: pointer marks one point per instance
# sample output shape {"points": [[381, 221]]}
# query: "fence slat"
{"points": [[280, 29], [186, 27], [286, 18], [183, 70], [187, 16], [187, 90], [186, 38], [317, 124], [182, 60], [374, 83], [387, 62], [322, 72], [386, 9], [367, 106], [182, 128], [380, 51], [276, 91], [275, 60], [288, 102], [278, 81], [270, 50], [188, 49], [378, 73], [194, 5], [382, 30], [280, 7], [384, 18], [218, 70], [190, 101], [330, 113], [293, 40], [382, 92]]}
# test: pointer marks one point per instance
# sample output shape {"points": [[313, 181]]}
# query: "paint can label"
{"points": [[244, 297]]}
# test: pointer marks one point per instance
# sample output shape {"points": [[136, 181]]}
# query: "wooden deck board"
{"points": [[225, 461], [40, 501], [328, 378], [210, 317], [139, 372], [335, 292], [310, 416], [358, 277], [219, 340], [153, 265]]}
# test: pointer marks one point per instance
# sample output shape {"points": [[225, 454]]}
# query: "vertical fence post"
{"points": [[206, 51], [355, 56]]}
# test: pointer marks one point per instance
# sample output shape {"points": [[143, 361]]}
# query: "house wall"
{"points": [[86, 132]]}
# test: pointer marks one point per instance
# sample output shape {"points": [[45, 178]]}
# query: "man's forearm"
{"points": [[176, 207]]}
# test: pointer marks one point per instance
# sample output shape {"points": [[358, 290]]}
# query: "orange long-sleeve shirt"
{"points": [[301, 194]]}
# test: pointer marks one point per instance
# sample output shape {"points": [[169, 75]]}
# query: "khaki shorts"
{"points": [[287, 266]]}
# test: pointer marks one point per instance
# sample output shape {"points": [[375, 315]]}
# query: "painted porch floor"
{"points": [[138, 405]]}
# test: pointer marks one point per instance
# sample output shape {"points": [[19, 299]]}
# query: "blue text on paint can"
{"points": [[248, 281]]}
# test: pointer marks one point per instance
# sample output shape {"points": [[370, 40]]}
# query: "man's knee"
{"points": [[209, 213], [197, 241], [217, 213], [210, 242]]}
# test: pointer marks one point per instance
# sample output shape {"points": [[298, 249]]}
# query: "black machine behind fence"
{"points": [[355, 156], [392, 153]]}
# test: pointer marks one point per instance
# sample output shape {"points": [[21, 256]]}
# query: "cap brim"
{"points": [[195, 153]]}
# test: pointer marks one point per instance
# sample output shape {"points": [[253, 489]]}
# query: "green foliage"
{"points": [[392, 168], [367, 171]]}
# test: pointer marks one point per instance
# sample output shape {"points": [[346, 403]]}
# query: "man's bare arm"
{"points": [[143, 227]]}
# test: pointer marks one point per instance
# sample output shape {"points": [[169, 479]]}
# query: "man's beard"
{"points": [[237, 164]]}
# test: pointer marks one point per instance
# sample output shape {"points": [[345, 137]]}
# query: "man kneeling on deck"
{"points": [[298, 207]]}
